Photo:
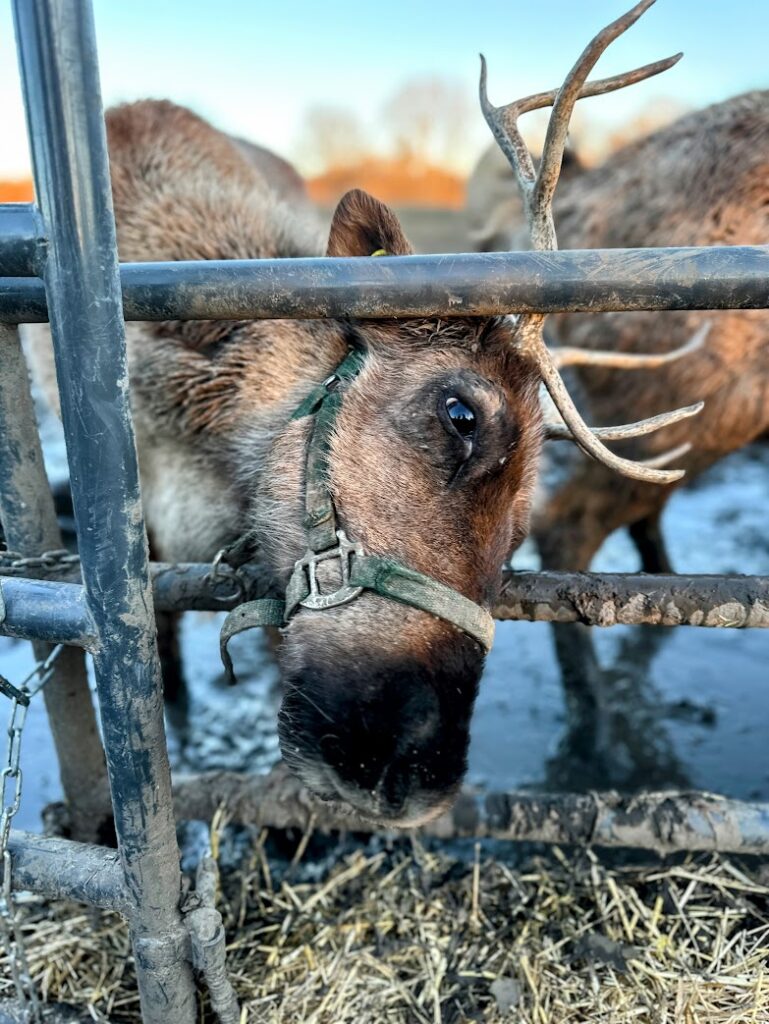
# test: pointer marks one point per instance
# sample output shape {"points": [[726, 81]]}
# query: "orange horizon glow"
{"points": [[16, 191], [397, 181]]}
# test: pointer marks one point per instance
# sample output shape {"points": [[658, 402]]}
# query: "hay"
{"points": [[409, 934]]}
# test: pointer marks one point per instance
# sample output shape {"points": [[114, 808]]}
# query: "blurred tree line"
{"points": [[418, 153], [427, 140]]}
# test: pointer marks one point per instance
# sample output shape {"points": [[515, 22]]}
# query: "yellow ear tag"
{"points": [[380, 252]]}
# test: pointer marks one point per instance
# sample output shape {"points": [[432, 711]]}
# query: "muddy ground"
{"points": [[684, 707]]}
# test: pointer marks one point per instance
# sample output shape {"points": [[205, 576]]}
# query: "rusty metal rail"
{"points": [[60, 869], [663, 822]]}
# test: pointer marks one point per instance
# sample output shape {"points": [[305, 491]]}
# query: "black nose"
{"points": [[392, 744], [387, 750]]}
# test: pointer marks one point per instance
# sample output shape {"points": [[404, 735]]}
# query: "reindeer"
{"points": [[700, 181], [282, 176], [384, 469]]}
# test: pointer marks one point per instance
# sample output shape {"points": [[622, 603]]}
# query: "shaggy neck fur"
{"points": [[214, 394]]}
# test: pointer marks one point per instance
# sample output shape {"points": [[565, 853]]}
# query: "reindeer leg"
{"points": [[569, 529], [580, 672], [646, 534], [568, 543], [174, 684], [581, 754], [167, 623]]}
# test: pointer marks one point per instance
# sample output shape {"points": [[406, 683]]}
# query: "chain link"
{"points": [[11, 782], [59, 561], [221, 571], [225, 565]]}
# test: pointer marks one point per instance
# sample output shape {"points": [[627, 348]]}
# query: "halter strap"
{"points": [[388, 578], [324, 403], [326, 542]]}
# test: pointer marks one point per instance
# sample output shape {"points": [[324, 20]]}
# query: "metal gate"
{"points": [[58, 262]]}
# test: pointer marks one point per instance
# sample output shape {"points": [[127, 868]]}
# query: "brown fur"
{"points": [[701, 181], [388, 687]]}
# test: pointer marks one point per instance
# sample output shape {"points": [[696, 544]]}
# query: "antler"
{"points": [[560, 432], [537, 188], [564, 355]]}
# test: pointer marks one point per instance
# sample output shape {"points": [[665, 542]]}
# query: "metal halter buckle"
{"points": [[344, 551]]}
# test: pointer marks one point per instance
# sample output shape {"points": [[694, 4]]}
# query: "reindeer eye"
{"points": [[462, 418]]}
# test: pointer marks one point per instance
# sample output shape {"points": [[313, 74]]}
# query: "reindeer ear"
{"points": [[362, 226]]}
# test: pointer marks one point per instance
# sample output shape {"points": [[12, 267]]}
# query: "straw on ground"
{"points": [[418, 937]]}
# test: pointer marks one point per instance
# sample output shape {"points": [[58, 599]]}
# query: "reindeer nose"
{"points": [[391, 771], [397, 799], [391, 740], [381, 752], [370, 776], [395, 788]]}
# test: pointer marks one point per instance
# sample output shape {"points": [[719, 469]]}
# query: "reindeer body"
{"points": [[282, 177], [703, 180], [182, 190]]}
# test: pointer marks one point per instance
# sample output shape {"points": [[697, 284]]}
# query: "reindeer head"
{"points": [[429, 459], [431, 462]]}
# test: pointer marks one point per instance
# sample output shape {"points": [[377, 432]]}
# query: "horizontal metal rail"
{"points": [[41, 610], [611, 599], [594, 599], [59, 869], [665, 822], [22, 246], [477, 284]]}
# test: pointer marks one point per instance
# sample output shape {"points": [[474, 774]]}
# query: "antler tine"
{"points": [[560, 432], [566, 356], [672, 455], [568, 94], [600, 87], [538, 100], [503, 122], [580, 431]]}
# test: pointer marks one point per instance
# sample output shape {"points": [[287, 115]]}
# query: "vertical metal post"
{"points": [[30, 527], [60, 81]]}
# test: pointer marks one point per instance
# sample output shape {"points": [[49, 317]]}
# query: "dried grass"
{"points": [[413, 935]]}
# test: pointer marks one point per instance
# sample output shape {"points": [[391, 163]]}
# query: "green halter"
{"points": [[326, 541]]}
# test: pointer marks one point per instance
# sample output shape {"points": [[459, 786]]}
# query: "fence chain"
{"points": [[50, 562], [226, 563], [11, 781]]}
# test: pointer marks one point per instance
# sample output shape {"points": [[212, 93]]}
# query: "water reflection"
{"points": [[616, 734]]}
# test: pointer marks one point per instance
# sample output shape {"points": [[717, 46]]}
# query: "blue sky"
{"points": [[254, 67]]}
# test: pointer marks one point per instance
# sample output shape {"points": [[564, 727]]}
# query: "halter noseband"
{"points": [[326, 541]]}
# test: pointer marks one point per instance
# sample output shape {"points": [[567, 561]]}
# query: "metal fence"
{"points": [[58, 262]]}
